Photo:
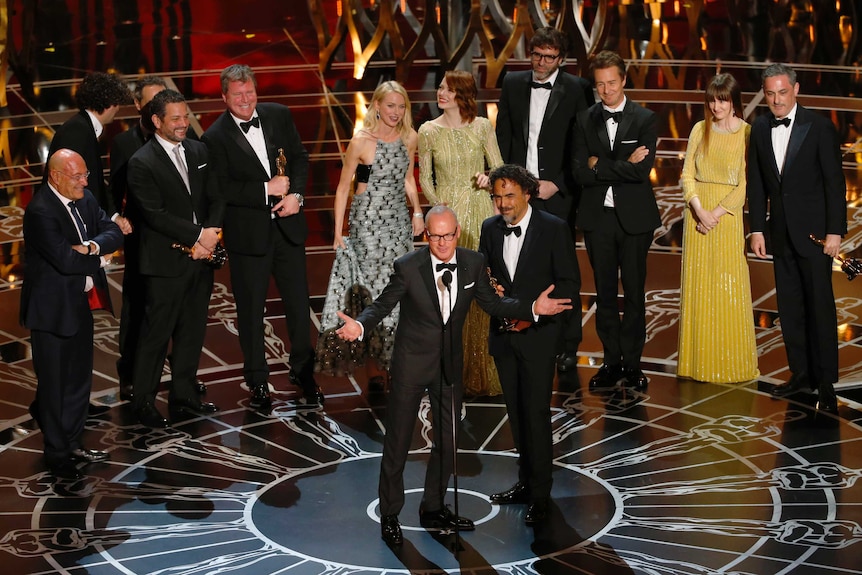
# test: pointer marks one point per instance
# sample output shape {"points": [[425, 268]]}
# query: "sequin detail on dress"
{"points": [[380, 232]]}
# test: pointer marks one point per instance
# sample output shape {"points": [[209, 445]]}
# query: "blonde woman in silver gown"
{"points": [[454, 150], [380, 158]]}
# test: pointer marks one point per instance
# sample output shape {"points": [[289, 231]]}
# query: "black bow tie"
{"points": [[512, 230], [450, 267], [613, 115], [541, 85], [246, 126], [774, 122]]}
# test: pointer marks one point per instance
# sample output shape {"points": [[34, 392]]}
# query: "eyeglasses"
{"points": [[441, 237], [79, 177], [547, 58]]}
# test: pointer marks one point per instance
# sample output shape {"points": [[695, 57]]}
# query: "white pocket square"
{"points": [[468, 286], [629, 142], [202, 166]]}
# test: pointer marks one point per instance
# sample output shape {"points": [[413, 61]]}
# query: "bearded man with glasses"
{"points": [[535, 121]]}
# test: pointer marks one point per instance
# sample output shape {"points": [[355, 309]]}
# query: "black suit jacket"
{"points": [[54, 283], [634, 199], [247, 226], [547, 257], [167, 209], [419, 337], [79, 134], [570, 95], [123, 147], [810, 196]]}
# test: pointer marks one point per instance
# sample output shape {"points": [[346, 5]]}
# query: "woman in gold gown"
{"points": [[716, 322], [454, 150]]}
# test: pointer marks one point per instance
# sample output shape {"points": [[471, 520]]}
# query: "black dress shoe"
{"points": [[89, 455], [313, 396], [607, 376], [798, 383], [827, 401], [536, 512], [192, 406], [444, 519], [200, 387], [633, 377], [518, 493], [65, 470], [148, 415], [567, 361], [95, 410], [390, 530], [260, 397], [127, 392]]}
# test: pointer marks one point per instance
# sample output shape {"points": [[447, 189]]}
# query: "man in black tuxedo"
{"points": [[794, 166], [614, 151], [65, 235], [176, 193], [123, 147], [535, 126], [99, 98], [428, 355], [264, 227], [527, 250]]}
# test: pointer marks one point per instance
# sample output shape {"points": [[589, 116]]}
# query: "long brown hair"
{"points": [[722, 87], [464, 86]]}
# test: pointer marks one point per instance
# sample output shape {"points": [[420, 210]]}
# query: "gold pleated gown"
{"points": [[716, 322], [449, 159]]}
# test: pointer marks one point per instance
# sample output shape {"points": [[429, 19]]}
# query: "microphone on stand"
{"points": [[446, 278]]}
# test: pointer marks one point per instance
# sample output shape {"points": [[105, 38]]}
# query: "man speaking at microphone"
{"points": [[434, 286]]}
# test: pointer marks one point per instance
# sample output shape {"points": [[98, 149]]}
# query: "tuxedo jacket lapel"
{"points": [[798, 131], [526, 93], [240, 140], [554, 100], [427, 276], [531, 236], [601, 127]]}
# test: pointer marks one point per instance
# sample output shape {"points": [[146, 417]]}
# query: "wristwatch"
{"points": [[89, 245], [299, 198]]}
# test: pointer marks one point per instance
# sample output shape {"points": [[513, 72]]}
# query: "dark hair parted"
{"points": [[464, 85], [518, 175], [608, 59], [779, 69], [237, 73], [99, 91], [548, 37], [725, 88], [159, 104], [142, 83]]}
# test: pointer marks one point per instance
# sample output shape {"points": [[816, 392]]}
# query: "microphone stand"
{"points": [[447, 282]]}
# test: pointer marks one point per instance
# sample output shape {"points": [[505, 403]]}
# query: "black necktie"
{"points": [[82, 229], [774, 122], [450, 267], [541, 85], [246, 126], [613, 115], [512, 230]]}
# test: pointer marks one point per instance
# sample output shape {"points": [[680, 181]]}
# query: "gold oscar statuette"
{"points": [[507, 324]]}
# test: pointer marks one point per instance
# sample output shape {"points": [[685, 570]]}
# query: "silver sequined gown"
{"points": [[380, 231]]}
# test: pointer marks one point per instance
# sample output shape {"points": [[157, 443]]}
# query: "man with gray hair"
{"points": [[794, 168]]}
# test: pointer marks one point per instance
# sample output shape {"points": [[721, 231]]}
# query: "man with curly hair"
{"points": [[99, 97]]}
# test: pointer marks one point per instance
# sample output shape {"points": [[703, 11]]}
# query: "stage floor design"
{"points": [[683, 478]]}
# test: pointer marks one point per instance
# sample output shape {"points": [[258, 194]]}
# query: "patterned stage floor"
{"points": [[684, 478]]}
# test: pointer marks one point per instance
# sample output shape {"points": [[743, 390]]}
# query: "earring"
{"points": [[378, 114]]}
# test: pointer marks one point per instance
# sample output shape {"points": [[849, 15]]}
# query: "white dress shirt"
{"points": [[780, 139], [539, 98], [612, 126], [442, 293]]}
